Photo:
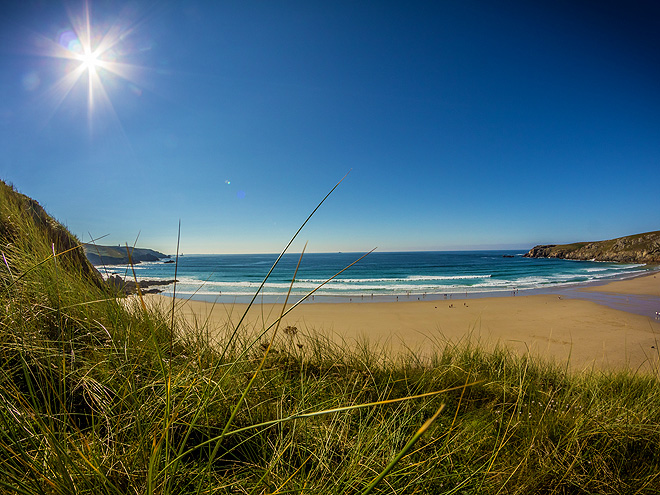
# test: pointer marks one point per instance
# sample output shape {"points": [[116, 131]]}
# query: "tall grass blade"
{"points": [[286, 248], [176, 270], [324, 412], [403, 451], [247, 388]]}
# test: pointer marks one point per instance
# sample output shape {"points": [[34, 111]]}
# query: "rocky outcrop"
{"points": [[639, 248], [119, 255], [126, 287]]}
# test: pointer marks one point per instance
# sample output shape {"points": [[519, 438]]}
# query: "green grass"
{"points": [[100, 395]]}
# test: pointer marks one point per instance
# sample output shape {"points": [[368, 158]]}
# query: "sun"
{"points": [[89, 61], [95, 54]]}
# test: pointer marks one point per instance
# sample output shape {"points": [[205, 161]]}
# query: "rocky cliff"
{"points": [[638, 248], [118, 255]]}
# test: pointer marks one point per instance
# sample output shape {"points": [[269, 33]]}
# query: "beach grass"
{"points": [[100, 394]]}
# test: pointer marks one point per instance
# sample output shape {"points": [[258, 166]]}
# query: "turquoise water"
{"points": [[380, 275]]}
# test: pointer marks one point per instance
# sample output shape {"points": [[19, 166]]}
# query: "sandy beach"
{"points": [[578, 333]]}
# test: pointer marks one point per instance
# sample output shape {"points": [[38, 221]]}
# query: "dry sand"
{"points": [[579, 333]]}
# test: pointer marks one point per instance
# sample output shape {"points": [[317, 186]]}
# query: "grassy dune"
{"points": [[100, 395]]}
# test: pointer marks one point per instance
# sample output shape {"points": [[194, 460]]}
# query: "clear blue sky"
{"points": [[466, 124]]}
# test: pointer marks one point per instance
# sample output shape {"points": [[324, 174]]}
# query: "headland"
{"points": [[637, 248]]}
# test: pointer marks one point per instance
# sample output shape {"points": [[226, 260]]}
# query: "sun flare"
{"points": [[89, 60], [95, 53]]}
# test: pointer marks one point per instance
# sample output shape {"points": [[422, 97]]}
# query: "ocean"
{"points": [[379, 276]]}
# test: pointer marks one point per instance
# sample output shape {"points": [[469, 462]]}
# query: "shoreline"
{"points": [[508, 278], [593, 290], [414, 296], [578, 333]]}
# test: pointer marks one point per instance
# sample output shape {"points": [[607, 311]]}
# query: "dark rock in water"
{"points": [[169, 261], [639, 248], [508, 256], [126, 287]]}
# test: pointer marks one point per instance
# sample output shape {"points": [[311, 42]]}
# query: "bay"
{"points": [[381, 275]]}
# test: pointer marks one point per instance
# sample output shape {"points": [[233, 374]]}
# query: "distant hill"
{"points": [[117, 255], [638, 248]]}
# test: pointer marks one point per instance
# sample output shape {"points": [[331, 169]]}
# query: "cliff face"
{"points": [[639, 248]]}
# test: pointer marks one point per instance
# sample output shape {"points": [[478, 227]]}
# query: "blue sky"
{"points": [[465, 124]]}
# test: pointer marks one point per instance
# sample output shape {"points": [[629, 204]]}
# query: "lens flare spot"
{"points": [[134, 89], [69, 40]]}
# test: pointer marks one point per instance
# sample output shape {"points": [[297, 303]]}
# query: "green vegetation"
{"points": [[100, 395], [637, 248]]}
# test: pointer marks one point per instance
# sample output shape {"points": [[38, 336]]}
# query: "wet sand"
{"points": [[576, 333], [647, 285]]}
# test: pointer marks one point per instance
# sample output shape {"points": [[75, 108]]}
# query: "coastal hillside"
{"points": [[118, 255], [638, 248], [29, 234]]}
